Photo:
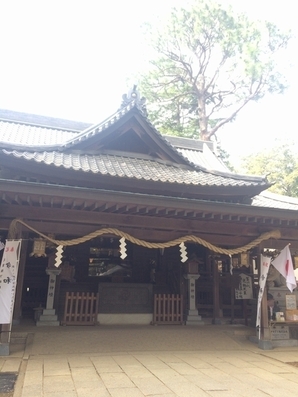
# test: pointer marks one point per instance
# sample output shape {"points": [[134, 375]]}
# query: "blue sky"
{"points": [[72, 59]]}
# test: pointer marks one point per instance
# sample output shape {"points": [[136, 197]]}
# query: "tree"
{"points": [[208, 64], [280, 164]]}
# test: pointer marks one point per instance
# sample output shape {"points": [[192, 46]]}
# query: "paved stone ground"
{"points": [[135, 361]]}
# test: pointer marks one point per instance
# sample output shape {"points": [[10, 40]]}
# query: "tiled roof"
{"points": [[204, 159], [198, 164], [96, 129], [43, 121], [272, 200], [139, 168], [189, 143], [17, 134], [198, 152]]}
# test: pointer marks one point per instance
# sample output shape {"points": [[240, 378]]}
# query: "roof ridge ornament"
{"points": [[133, 96]]}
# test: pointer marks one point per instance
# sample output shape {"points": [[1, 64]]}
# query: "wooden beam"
{"points": [[101, 208], [123, 209], [74, 230], [93, 207], [113, 208], [6, 199], [148, 200], [17, 199], [94, 219]]}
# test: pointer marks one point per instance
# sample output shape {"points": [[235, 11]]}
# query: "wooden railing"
{"points": [[168, 309], [81, 308]]}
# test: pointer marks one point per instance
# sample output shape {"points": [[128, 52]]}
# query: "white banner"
{"points": [[264, 268], [8, 279], [283, 263]]}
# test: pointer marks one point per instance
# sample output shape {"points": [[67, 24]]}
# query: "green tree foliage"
{"points": [[225, 158], [280, 164], [208, 63]]}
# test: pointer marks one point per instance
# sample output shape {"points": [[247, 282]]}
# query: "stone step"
{"points": [[48, 323], [15, 340], [48, 318], [18, 338]]}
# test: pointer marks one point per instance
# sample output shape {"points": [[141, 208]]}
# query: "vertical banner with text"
{"points": [[264, 269], [8, 279]]}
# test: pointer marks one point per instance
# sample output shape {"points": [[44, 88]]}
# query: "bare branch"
{"points": [[230, 118]]}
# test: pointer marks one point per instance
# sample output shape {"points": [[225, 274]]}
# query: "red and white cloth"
{"points": [[283, 263]]}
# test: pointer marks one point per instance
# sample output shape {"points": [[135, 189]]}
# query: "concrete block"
{"points": [[4, 349], [265, 344]]}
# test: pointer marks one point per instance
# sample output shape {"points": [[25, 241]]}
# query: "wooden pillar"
{"points": [[17, 314], [265, 331], [2, 333], [265, 342], [232, 298], [217, 315]]}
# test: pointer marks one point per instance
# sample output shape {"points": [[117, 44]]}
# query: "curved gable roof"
{"points": [[105, 149], [118, 126]]}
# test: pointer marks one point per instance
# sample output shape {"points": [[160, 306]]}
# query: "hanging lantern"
{"points": [[39, 248]]}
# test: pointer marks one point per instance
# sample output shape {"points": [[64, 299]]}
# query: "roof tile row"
{"points": [[28, 135], [120, 166]]}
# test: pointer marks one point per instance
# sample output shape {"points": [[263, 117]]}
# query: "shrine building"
{"points": [[137, 216]]}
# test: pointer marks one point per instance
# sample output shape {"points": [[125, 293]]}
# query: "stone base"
{"points": [[192, 312], [124, 318], [48, 323], [268, 344], [4, 349], [194, 321], [193, 318], [285, 343], [265, 344], [217, 321], [48, 318]]}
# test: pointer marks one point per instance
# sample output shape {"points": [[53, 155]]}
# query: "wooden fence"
{"points": [[81, 308], [168, 309]]}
